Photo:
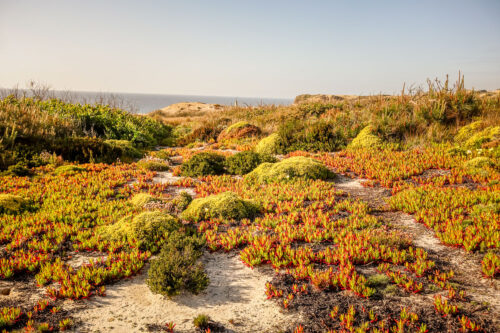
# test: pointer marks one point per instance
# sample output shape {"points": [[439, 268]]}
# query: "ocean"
{"points": [[145, 103]]}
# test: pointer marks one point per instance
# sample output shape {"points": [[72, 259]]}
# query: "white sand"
{"points": [[235, 298]]}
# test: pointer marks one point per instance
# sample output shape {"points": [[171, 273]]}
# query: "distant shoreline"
{"points": [[145, 103]]}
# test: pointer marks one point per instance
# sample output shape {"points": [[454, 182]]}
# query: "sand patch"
{"points": [[234, 298]]}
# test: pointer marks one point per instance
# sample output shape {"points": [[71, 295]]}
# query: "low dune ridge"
{"points": [[192, 108]]}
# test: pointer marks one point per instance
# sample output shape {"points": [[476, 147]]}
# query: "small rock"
{"points": [[5, 291]]}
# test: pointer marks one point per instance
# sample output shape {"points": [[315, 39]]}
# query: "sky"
{"points": [[248, 48]]}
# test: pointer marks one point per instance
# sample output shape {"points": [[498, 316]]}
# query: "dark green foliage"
{"points": [[19, 170], [201, 321], [243, 162], [311, 136], [203, 164], [177, 267]]}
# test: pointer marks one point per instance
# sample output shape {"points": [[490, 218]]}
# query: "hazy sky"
{"points": [[248, 48]]}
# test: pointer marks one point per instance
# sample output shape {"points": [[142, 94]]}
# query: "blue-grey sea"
{"points": [[144, 103]]}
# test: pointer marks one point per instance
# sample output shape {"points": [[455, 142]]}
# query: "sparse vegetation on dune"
{"points": [[348, 261]]}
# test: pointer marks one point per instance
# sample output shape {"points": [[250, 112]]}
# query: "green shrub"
{"points": [[124, 148], [243, 162], [366, 139], [68, 170], [141, 199], [317, 135], [201, 321], [290, 169], [182, 201], [149, 229], [176, 268], [479, 162], [203, 164], [269, 145], [227, 205], [84, 149], [19, 170], [11, 204], [154, 164], [76, 132]]}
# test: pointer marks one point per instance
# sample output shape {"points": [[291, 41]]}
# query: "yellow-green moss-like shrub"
{"points": [[10, 203], [241, 129], [366, 139], [467, 131], [141, 199], [68, 170], [479, 162], [269, 145], [149, 229], [182, 201], [475, 135], [227, 205], [297, 167]]}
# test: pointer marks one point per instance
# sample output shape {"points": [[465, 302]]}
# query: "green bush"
{"points": [[68, 170], [126, 150], [318, 135], [479, 163], [149, 229], [243, 162], [290, 169], [177, 267], [227, 205], [366, 139], [19, 170], [154, 164], [182, 201], [269, 145], [11, 204], [203, 164], [83, 133]]}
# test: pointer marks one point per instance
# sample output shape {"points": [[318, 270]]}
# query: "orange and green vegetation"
{"points": [[338, 260]]}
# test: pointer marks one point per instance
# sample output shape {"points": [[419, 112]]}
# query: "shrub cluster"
{"points": [[149, 229], [177, 267], [77, 132], [297, 167], [12, 204], [203, 164], [226, 205], [366, 139], [269, 145], [243, 162], [316, 135]]}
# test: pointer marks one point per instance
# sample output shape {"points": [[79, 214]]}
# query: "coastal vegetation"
{"points": [[371, 214]]}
